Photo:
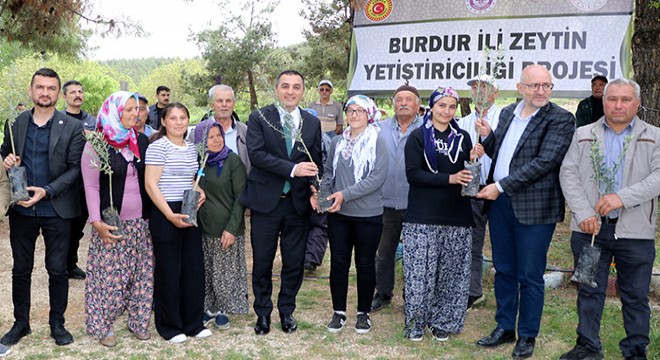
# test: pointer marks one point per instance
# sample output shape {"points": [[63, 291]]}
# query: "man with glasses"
{"points": [[591, 109], [328, 111], [527, 149]]}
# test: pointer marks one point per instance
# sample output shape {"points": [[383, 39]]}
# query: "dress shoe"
{"points": [[289, 324], [15, 334], [524, 347], [580, 352], [60, 334], [497, 338], [380, 301], [76, 273], [262, 327]]}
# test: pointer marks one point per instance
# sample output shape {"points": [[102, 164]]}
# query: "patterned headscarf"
{"points": [[201, 134], [362, 150], [455, 138], [108, 122]]}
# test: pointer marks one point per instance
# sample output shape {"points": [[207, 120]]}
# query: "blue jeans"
{"points": [[519, 257]]}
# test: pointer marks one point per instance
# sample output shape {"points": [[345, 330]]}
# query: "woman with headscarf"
{"points": [[437, 227], [357, 167], [119, 268], [223, 228]]}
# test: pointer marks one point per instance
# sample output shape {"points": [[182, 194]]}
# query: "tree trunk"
{"points": [[646, 59], [465, 106], [254, 103]]}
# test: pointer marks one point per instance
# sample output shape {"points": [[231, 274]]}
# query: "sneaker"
{"points": [[337, 323], [222, 321], [580, 352], [76, 273], [474, 300], [438, 334], [415, 334], [207, 318], [204, 334], [61, 335], [4, 350], [363, 324], [178, 339], [15, 334], [380, 301]]}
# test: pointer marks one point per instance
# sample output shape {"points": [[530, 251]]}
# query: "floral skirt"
{"points": [[226, 287], [120, 277], [436, 275]]}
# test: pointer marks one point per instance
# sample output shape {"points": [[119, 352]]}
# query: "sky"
{"points": [[169, 23]]}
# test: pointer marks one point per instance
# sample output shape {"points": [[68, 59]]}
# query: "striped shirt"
{"points": [[179, 167]]}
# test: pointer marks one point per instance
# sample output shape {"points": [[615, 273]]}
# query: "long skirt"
{"points": [[120, 277], [436, 274], [226, 288]]}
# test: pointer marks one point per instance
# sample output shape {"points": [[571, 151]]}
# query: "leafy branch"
{"points": [[100, 157]]}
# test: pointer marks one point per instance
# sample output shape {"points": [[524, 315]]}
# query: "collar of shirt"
{"points": [[295, 115], [518, 111], [627, 129], [416, 120], [330, 102]]}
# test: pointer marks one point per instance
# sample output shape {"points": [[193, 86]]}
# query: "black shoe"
{"points": [[60, 334], [636, 357], [380, 301], [310, 267], [289, 324], [262, 327], [76, 273], [524, 347], [15, 334], [474, 300], [580, 352], [497, 338]]}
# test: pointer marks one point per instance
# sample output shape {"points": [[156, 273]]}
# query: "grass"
{"points": [[312, 340]]}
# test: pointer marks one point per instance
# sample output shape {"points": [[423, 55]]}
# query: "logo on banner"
{"points": [[588, 5], [480, 6], [378, 10]]}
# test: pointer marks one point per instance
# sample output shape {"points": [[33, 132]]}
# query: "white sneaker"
{"points": [[4, 350], [204, 334], [177, 339]]}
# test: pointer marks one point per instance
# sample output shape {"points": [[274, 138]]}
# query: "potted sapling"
{"points": [[100, 160], [17, 174], [191, 196], [605, 180]]}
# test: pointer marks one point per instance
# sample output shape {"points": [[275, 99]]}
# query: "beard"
{"points": [[43, 102]]}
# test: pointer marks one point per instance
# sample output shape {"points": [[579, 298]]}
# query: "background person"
{"points": [[328, 111], [591, 109], [116, 264], [155, 110], [141, 122], [223, 228], [357, 166], [171, 165]]}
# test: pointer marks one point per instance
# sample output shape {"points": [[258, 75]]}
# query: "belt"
{"points": [[606, 220]]}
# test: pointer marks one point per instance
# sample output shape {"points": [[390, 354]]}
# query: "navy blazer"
{"points": [[271, 164], [64, 150], [533, 181]]}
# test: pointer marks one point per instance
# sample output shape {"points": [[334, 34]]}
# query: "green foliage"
{"points": [[98, 87], [183, 77], [10, 51], [137, 69]]}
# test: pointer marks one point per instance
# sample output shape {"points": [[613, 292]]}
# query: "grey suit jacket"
{"points": [[64, 151], [533, 181]]}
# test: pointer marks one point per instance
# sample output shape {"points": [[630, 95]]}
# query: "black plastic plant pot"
{"points": [[325, 190], [587, 266], [189, 206], [111, 217], [472, 188], [18, 184]]}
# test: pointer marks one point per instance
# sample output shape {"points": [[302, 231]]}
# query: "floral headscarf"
{"points": [[362, 150], [455, 138], [108, 122], [201, 133]]}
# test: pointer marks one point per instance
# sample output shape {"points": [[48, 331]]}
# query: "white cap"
{"points": [[484, 78], [325, 82]]}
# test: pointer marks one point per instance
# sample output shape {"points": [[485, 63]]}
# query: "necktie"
{"points": [[287, 129]]}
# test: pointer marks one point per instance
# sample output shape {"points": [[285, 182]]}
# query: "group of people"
{"points": [[388, 181]]}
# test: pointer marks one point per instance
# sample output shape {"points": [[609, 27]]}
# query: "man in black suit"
{"points": [[48, 145], [527, 149], [278, 194]]}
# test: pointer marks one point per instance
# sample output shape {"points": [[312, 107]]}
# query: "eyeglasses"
{"points": [[324, 90], [359, 112], [534, 87]]}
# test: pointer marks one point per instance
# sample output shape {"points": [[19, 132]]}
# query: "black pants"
{"points": [[285, 223], [634, 264], [77, 233], [178, 276], [363, 234], [317, 239], [389, 241], [23, 234]]}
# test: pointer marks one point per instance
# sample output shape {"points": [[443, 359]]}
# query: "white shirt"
{"points": [[467, 124], [510, 143], [230, 138]]}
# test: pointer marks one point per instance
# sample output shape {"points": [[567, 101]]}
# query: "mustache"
{"points": [[77, 98], [404, 107]]}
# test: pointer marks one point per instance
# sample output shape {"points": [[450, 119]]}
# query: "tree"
{"points": [[240, 45], [645, 56]]}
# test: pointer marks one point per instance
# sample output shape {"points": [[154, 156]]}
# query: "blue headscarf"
{"points": [[215, 158], [454, 139]]}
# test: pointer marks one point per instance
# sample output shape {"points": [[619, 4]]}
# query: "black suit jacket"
{"points": [[271, 165], [64, 150], [533, 181]]}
